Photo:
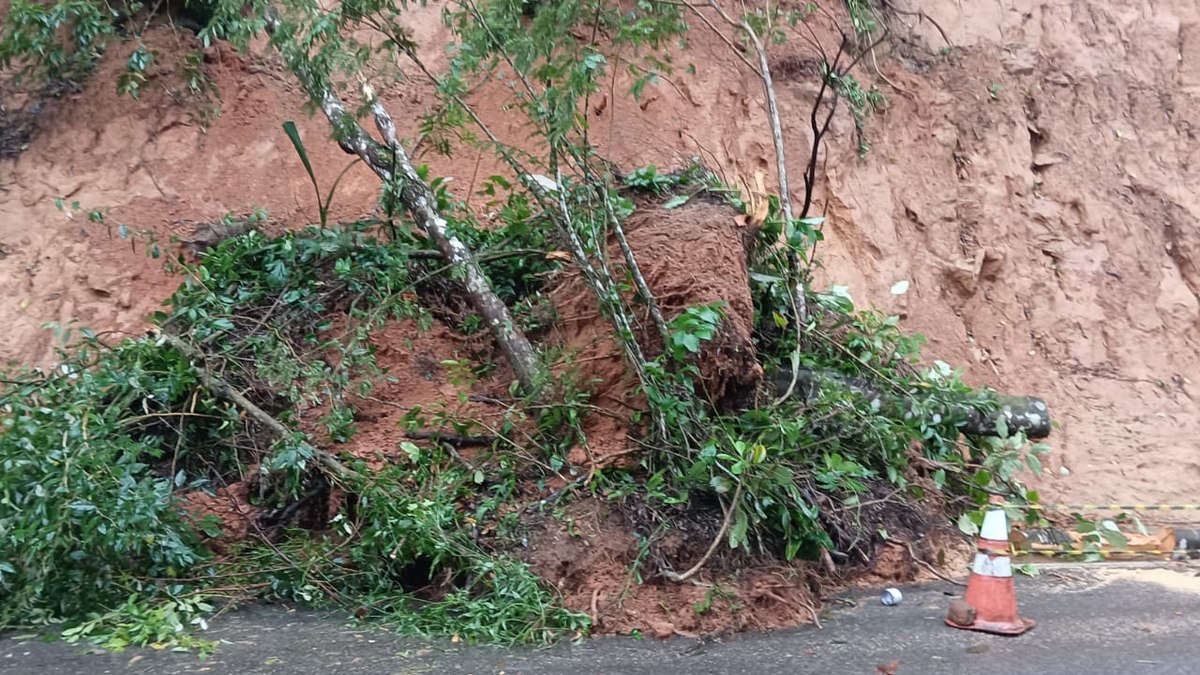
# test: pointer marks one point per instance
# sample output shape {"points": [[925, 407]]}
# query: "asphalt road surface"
{"points": [[1091, 621]]}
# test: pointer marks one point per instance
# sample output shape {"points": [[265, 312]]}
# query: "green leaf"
{"points": [[967, 526], [593, 61], [765, 278], [676, 201], [791, 549], [289, 128], [690, 342], [210, 525], [1035, 464], [412, 449], [737, 533], [1001, 426], [719, 484], [1115, 538], [1141, 528]]}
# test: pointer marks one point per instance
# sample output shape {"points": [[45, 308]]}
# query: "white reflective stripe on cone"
{"points": [[988, 566], [995, 526]]}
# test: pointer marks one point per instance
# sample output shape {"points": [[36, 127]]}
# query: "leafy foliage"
{"points": [[693, 327], [263, 306], [52, 41], [87, 491], [802, 461], [100, 458], [862, 18], [862, 105]]}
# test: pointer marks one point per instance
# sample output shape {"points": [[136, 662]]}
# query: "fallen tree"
{"points": [[582, 202], [279, 336], [980, 413], [391, 163]]}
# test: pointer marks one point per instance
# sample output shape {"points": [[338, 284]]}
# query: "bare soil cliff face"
{"points": [[1037, 186], [1051, 231]]}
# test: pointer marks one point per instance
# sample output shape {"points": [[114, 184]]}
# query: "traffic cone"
{"points": [[991, 598]]}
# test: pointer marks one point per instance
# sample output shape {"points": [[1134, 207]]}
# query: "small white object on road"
{"points": [[891, 596]]}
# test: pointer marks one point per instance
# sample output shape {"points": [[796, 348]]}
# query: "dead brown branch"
{"points": [[450, 439], [933, 570], [733, 504]]}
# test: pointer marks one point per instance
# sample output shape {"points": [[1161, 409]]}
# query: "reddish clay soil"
{"points": [[1035, 186], [693, 255], [595, 565]]}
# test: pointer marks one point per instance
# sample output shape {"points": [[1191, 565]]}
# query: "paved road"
{"points": [[1094, 622]]}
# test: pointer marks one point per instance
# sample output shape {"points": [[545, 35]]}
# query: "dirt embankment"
{"points": [[1037, 189], [1035, 185]]}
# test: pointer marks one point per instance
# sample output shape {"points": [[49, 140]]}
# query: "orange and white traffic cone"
{"points": [[990, 603]]}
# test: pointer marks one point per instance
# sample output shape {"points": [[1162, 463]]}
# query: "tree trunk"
{"points": [[420, 201], [975, 415], [391, 163]]}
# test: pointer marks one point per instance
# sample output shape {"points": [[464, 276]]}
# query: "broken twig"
{"points": [[673, 576], [223, 390], [450, 439]]}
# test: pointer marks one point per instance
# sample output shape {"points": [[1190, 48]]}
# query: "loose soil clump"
{"points": [[691, 256]]}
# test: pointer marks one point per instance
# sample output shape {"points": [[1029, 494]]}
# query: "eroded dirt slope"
{"points": [[1074, 192], [1036, 185]]}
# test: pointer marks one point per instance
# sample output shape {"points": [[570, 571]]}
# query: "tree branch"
{"points": [[799, 292], [1020, 413], [764, 72], [455, 440], [733, 504], [391, 163], [223, 390]]}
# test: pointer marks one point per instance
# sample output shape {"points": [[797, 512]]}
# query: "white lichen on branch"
{"points": [[391, 164]]}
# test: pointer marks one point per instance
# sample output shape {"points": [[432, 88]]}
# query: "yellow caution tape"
{"points": [[1108, 507], [1103, 552]]}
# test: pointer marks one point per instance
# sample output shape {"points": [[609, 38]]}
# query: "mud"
{"points": [[600, 567], [689, 256]]}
